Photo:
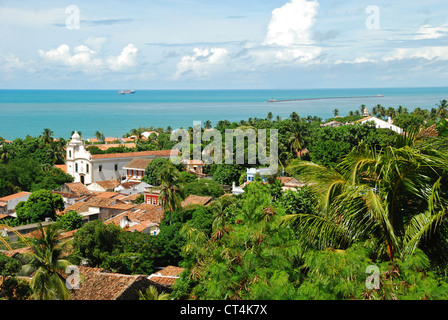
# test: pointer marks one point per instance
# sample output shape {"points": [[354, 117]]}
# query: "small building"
{"points": [[152, 196], [381, 124], [132, 187], [252, 172], [103, 186], [194, 166], [196, 200], [135, 169], [332, 124], [98, 284], [12, 200], [144, 218]]}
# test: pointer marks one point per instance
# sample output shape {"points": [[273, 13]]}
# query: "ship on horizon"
{"points": [[126, 92]]}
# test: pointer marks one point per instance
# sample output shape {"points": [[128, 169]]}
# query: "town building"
{"points": [[87, 168], [381, 124], [9, 203], [135, 169]]}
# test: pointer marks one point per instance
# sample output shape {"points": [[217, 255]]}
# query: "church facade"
{"points": [[87, 168]]}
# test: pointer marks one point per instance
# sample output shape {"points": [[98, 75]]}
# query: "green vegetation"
{"points": [[374, 199]]}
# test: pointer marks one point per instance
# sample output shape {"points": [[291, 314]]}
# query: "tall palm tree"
{"points": [[336, 112], [294, 116], [171, 191], [99, 136], [7, 152], [47, 136], [207, 124], [56, 151], [442, 109], [46, 264], [396, 194], [297, 143]]}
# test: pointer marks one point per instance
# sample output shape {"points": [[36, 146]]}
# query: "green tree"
{"points": [[153, 294], [97, 241], [40, 205], [397, 194], [47, 136], [171, 192], [72, 220], [48, 282], [153, 171]]}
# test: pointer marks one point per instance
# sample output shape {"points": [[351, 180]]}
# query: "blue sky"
{"points": [[198, 44]]}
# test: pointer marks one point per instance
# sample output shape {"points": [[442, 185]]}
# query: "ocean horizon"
{"points": [[29, 112]]}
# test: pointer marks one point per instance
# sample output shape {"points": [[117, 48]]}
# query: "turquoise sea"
{"points": [[28, 112]]}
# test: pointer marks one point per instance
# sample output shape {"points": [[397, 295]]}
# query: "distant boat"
{"points": [[379, 95], [126, 92]]}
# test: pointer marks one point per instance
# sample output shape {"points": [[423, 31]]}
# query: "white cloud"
{"points": [[202, 61], [428, 53], [292, 24], [87, 60], [126, 59], [430, 32]]}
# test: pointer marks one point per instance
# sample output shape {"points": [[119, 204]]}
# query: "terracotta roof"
{"points": [[15, 196], [166, 276], [109, 286], [193, 162], [63, 167], [137, 163], [78, 188], [130, 198], [83, 206], [141, 216], [105, 147], [157, 153], [108, 184], [65, 194], [193, 199], [107, 194]]}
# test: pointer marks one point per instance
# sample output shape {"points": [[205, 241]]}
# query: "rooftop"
{"points": [[15, 196], [137, 163], [156, 153]]}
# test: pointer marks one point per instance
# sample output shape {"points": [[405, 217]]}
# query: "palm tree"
{"points": [[99, 136], [47, 136], [270, 116], [336, 112], [442, 110], [296, 142], [170, 188], [45, 260], [294, 116], [56, 151], [396, 194], [207, 124], [7, 152], [152, 294]]}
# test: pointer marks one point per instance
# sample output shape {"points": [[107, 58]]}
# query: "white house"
{"points": [[87, 168], [9, 202], [381, 124]]}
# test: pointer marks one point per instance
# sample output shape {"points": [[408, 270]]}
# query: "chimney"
{"points": [[389, 120]]}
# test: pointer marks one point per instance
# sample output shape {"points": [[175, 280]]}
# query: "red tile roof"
{"points": [[15, 196], [157, 153]]}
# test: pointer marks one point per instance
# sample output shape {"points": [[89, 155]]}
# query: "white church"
{"points": [[87, 168]]}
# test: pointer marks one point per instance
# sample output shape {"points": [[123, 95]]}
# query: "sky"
{"points": [[215, 44]]}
